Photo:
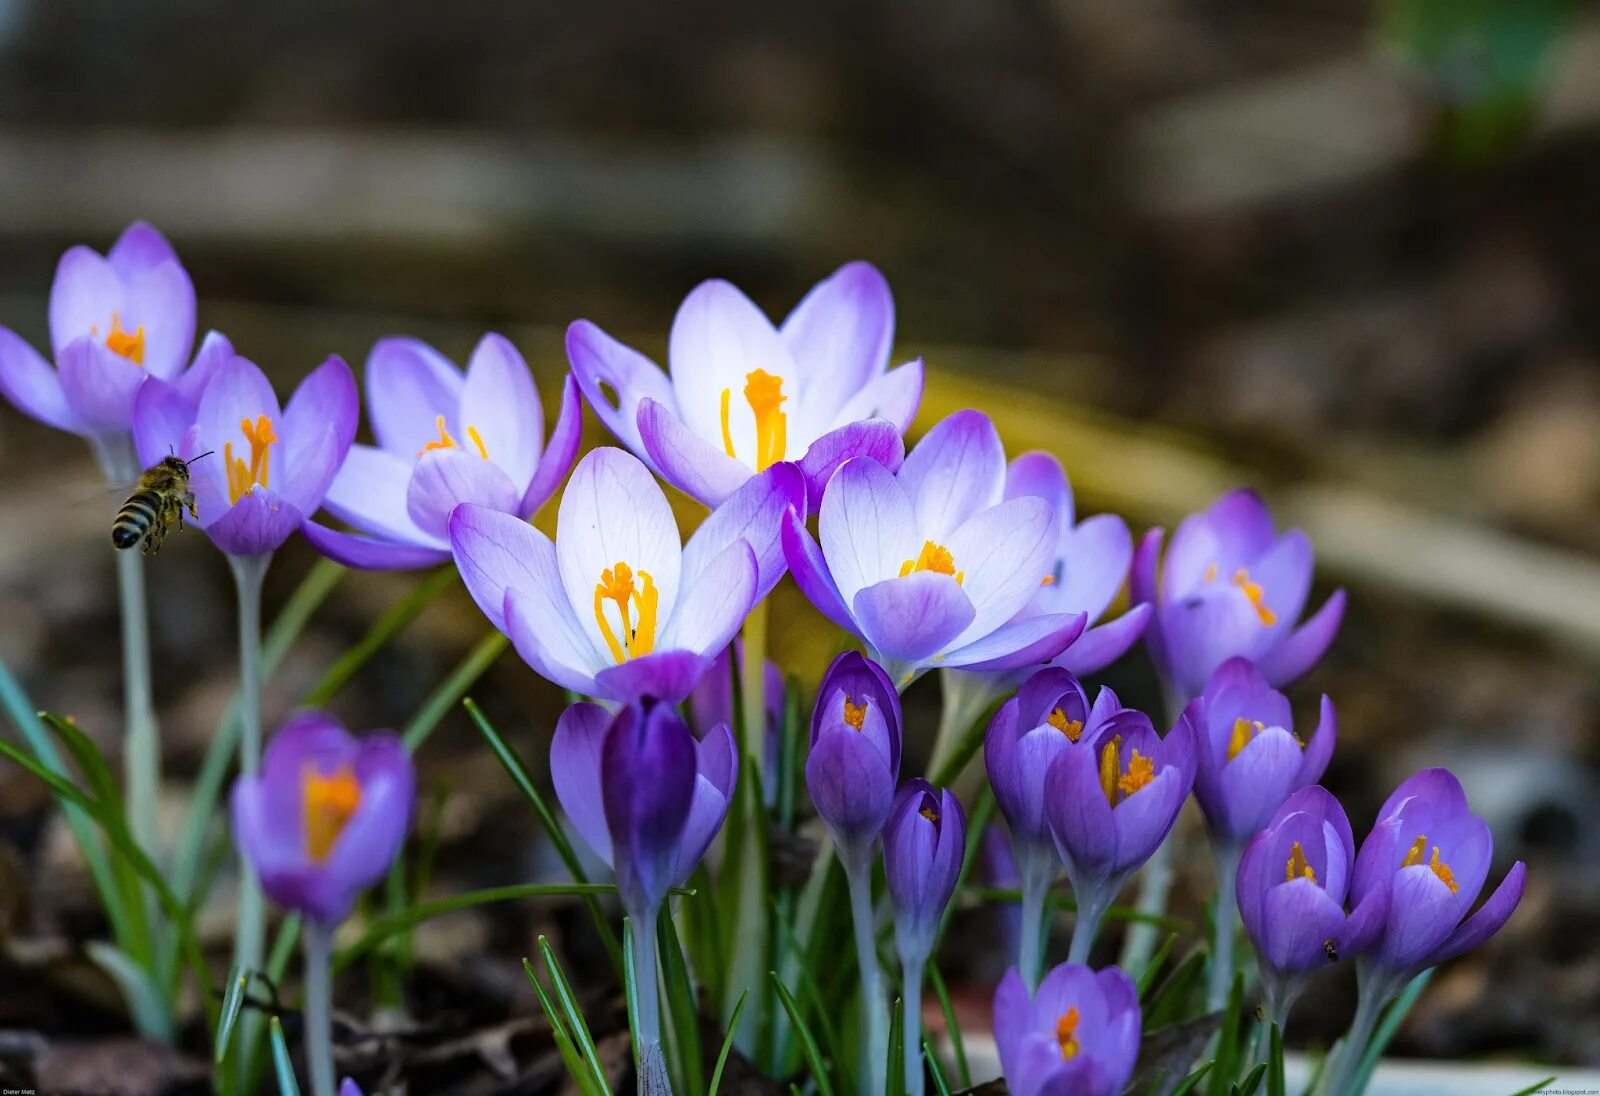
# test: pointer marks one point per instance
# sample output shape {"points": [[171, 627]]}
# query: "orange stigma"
{"points": [[855, 714], [328, 801], [244, 478], [127, 344], [764, 393], [1297, 867], [1118, 783], [935, 558], [1067, 1033], [445, 441], [1141, 770], [1257, 596], [1414, 856], [637, 633], [1072, 728], [929, 813]]}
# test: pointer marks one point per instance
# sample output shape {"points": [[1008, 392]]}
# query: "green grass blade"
{"points": [[681, 1005], [1191, 1082], [958, 1043], [727, 1044], [1390, 1023], [1276, 1083], [810, 991], [447, 694], [630, 988], [808, 1042], [573, 1015], [387, 626], [281, 1065], [1157, 962], [966, 749], [1251, 1082], [577, 1068], [896, 1082], [232, 1003], [1170, 1001], [940, 1085], [1227, 1056], [1537, 1086], [146, 1003]]}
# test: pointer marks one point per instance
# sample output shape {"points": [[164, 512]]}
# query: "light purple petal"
{"points": [[877, 439], [257, 524], [893, 397], [1096, 557], [327, 397], [755, 514], [912, 618], [715, 603], [1030, 642], [955, 471], [445, 478], [545, 635], [370, 553], [1284, 574], [370, 493], [1489, 919], [85, 293], [141, 247], [32, 386], [1294, 656], [216, 350], [1003, 552], [1040, 475], [601, 363], [99, 385], [867, 527], [707, 809], [839, 335], [575, 771], [305, 485], [500, 401], [559, 455], [365, 849], [811, 574], [1099, 647], [161, 301], [1203, 632], [685, 459], [409, 385], [161, 418]]}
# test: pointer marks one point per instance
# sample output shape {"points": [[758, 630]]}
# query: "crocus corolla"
{"points": [[854, 763], [1078, 1035]]}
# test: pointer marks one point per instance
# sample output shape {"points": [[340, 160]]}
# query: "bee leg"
{"points": [[194, 511]]}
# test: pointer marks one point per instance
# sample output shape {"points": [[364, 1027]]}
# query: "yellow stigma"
{"points": [[635, 607], [127, 344], [1257, 596], [764, 393], [1109, 769], [1066, 1033], [929, 813], [1297, 868], [1072, 728], [445, 441], [935, 558], [855, 714], [328, 801], [1442, 870], [1117, 782], [244, 478], [1243, 731]]}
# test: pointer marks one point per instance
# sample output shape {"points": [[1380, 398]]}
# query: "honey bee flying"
{"points": [[159, 498]]}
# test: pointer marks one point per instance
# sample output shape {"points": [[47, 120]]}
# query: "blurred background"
{"points": [[1342, 252]]}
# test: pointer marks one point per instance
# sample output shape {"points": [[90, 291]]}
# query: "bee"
{"points": [[159, 498], [1331, 949]]}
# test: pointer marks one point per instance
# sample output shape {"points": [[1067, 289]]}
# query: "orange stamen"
{"points": [[1257, 596], [855, 714], [244, 478], [1297, 867], [1414, 857], [764, 393], [1066, 1034], [328, 801], [1072, 728], [127, 344], [935, 558], [638, 636]]}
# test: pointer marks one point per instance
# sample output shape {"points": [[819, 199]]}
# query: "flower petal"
{"points": [[445, 478], [877, 439], [811, 574], [547, 638], [499, 400], [141, 247], [912, 618], [667, 676], [32, 386], [1096, 557], [161, 301], [1080, 818], [409, 385], [685, 459], [495, 552], [85, 293], [1100, 646], [1299, 918], [160, 420], [715, 602], [893, 397], [1291, 658], [1489, 919], [850, 785], [575, 771], [754, 513], [867, 527], [559, 455], [327, 397], [370, 493], [257, 524], [955, 471], [1029, 642], [839, 335], [1003, 551], [216, 350], [369, 553], [99, 385], [1040, 475], [600, 362]]}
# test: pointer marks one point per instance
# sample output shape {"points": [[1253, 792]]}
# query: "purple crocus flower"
{"points": [[924, 843], [1250, 758], [114, 321], [326, 814], [854, 762], [744, 395], [617, 607], [1291, 889], [1231, 587], [1110, 801], [1077, 1036], [444, 439], [642, 791], [930, 565], [269, 467]]}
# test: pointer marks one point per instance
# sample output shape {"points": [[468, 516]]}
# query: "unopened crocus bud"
{"points": [[1078, 1035], [923, 846], [326, 814], [855, 753], [1250, 756]]}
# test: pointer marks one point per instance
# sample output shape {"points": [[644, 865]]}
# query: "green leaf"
{"points": [[146, 1003], [1227, 1057], [1190, 1082], [1390, 1023], [808, 1043], [1251, 1082], [558, 837], [727, 1044], [281, 1065], [577, 1068], [232, 1002], [1535, 1087], [1277, 1085], [448, 693], [1157, 961], [571, 1013], [966, 748], [810, 991], [790, 767], [681, 1005], [957, 1041], [940, 1085], [1171, 1000], [895, 1082]]}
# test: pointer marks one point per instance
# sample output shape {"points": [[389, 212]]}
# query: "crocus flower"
{"points": [[1077, 1036], [854, 762], [444, 439], [114, 321], [326, 814], [617, 607], [1110, 802], [743, 395], [642, 791], [930, 565], [711, 703], [1250, 758], [1291, 887], [348, 1087], [924, 842], [268, 468], [1231, 587]]}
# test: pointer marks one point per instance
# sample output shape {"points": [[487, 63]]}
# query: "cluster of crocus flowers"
{"points": [[1078, 1033]]}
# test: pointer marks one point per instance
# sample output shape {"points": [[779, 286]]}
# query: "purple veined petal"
{"points": [[867, 527], [1004, 552], [647, 767], [1375, 862], [1304, 647], [1097, 555], [560, 454], [160, 420], [893, 397], [913, 618], [1284, 574], [717, 758], [956, 471], [445, 478], [409, 385], [875, 439], [216, 350], [1422, 915], [850, 785], [707, 809], [1251, 881], [854, 677], [1144, 819], [1081, 821], [1365, 924], [85, 293], [711, 609], [1201, 633], [718, 339], [1236, 689], [600, 362], [369, 553], [613, 512], [548, 641], [237, 393], [161, 301], [1255, 783], [1047, 690], [1038, 474], [1028, 760], [1435, 788], [327, 397], [1020, 644], [668, 676], [1319, 747], [32, 386], [575, 771], [365, 849], [99, 385], [257, 524], [1100, 646], [685, 459], [496, 552], [754, 513], [141, 247], [1490, 917], [304, 487], [1298, 919], [370, 493], [500, 401], [840, 333], [1469, 855], [811, 574]]}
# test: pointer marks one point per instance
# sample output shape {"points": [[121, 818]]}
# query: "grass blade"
{"points": [[145, 1001], [1191, 1082], [577, 1068], [1227, 1056], [1251, 1082], [1537, 1086], [232, 1002], [808, 1043], [1157, 961], [281, 1065], [958, 1043], [630, 987], [449, 691], [576, 1025], [1276, 1084], [940, 1085], [727, 1044], [681, 1006]]}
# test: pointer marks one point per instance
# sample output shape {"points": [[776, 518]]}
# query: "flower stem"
{"points": [[1155, 880], [1225, 854], [1091, 908], [963, 697], [1278, 996], [317, 945], [1036, 870], [1374, 993], [250, 936], [911, 1029], [858, 877], [653, 1079], [750, 954]]}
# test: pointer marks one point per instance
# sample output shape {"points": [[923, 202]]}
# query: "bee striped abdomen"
{"points": [[135, 518]]}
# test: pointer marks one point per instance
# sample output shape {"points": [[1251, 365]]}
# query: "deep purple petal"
{"points": [[1422, 915], [877, 439], [668, 676], [575, 752], [1142, 587], [754, 513], [1299, 918], [1020, 644], [257, 524], [1252, 786], [1144, 819], [367, 845], [1319, 747], [1489, 919], [648, 776], [1100, 646], [850, 785], [1293, 657], [327, 397], [811, 574], [1080, 819], [370, 553]]}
